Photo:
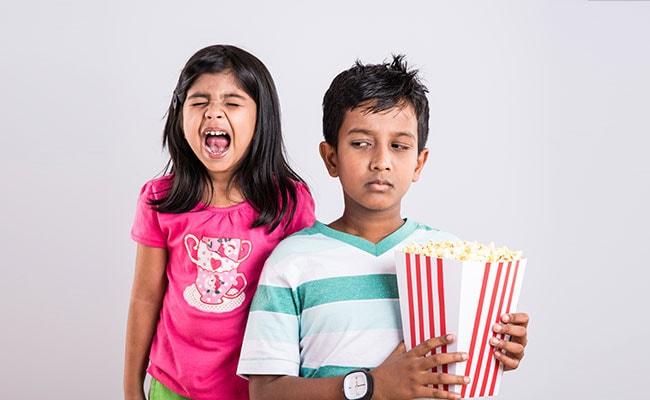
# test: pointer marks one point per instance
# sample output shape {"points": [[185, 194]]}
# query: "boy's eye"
{"points": [[360, 144], [400, 146], [199, 103], [233, 104]]}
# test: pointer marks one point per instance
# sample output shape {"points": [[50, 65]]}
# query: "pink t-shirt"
{"points": [[214, 264]]}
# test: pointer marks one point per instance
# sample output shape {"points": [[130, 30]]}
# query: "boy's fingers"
{"points": [[435, 360], [428, 345], [513, 349], [509, 363], [516, 319], [444, 379], [516, 331]]}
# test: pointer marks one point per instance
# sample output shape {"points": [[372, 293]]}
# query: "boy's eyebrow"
{"points": [[368, 132]]}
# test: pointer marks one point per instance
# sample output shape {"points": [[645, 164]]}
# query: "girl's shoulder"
{"points": [[157, 187], [302, 189]]}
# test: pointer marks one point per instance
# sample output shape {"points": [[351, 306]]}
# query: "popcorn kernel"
{"points": [[463, 251]]}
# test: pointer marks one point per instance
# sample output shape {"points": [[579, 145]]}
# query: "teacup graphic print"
{"points": [[219, 286]]}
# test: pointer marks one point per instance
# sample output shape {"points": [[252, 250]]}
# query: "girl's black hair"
{"points": [[263, 175]]}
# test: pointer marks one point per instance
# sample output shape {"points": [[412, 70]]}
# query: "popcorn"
{"points": [[463, 288], [463, 251]]}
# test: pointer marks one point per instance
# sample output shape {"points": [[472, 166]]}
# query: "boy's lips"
{"points": [[380, 184]]}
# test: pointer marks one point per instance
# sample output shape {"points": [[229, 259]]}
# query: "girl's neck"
{"points": [[373, 229], [223, 195]]}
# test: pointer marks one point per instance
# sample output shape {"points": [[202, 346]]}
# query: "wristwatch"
{"points": [[357, 385]]}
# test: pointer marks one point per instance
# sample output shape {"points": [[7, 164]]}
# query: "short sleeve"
{"points": [[271, 343], [146, 227]]}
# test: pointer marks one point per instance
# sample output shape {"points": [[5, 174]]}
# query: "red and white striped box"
{"points": [[466, 298]]}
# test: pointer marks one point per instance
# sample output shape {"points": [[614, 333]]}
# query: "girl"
{"points": [[205, 228]]}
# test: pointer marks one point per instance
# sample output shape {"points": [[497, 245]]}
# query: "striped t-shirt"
{"points": [[327, 303]]}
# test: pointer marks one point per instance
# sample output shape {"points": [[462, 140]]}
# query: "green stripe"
{"points": [[325, 371], [331, 290], [274, 299], [385, 245]]}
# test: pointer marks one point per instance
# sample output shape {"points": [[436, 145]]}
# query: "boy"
{"points": [[327, 310]]}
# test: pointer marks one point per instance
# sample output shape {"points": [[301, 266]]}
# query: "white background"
{"points": [[539, 127]]}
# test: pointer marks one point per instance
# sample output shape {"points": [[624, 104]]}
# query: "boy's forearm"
{"points": [[273, 387]]}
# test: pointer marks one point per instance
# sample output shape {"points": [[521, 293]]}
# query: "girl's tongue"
{"points": [[217, 144]]}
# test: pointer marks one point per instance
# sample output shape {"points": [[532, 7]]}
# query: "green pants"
{"points": [[158, 391]]}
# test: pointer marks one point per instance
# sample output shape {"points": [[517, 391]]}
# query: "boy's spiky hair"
{"points": [[376, 87]]}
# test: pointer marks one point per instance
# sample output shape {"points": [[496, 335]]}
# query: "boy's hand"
{"points": [[511, 352], [405, 375]]}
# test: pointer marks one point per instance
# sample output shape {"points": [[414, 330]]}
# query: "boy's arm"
{"points": [[403, 375], [149, 284], [511, 352]]}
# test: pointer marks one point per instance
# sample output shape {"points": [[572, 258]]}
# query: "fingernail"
{"points": [[466, 379], [464, 356], [497, 328], [505, 317], [494, 341]]}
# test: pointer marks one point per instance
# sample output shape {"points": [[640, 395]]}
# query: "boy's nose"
{"points": [[380, 161]]}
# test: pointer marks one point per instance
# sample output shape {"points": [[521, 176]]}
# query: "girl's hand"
{"points": [[406, 375], [511, 352]]}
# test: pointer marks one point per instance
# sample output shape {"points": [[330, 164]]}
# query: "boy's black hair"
{"points": [[263, 175], [376, 88]]}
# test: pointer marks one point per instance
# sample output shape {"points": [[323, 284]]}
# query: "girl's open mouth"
{"points": [[217, 142]]}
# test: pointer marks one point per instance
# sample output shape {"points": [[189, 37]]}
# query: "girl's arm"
{"points": [[149, 285], [403, 375]]}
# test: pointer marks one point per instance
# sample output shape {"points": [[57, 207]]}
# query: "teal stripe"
{"points": [[386, 244], [325, 371], [330, 290], [274, 299]]}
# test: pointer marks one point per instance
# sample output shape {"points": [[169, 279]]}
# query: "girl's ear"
{"points": [[328, 154], [422, 159]]}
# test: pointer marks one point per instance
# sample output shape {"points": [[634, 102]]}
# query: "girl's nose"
{"points": [[214, 110]]}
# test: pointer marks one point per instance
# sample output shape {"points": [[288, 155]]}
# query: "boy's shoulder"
{"points": [[310, 234], [319, 237], [423, 233], [305, 241]]}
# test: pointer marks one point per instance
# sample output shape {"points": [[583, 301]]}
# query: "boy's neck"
{"points": [[373, 229]]}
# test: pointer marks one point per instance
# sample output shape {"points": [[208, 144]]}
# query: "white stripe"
{"points": [[350, 348]]}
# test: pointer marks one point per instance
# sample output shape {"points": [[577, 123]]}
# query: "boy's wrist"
{"points": [[358, 385]]}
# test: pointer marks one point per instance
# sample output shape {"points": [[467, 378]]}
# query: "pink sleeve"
{"points": [[146, 226], [305, 210]]}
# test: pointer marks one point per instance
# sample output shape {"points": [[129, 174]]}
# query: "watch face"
{"points": [[355, 386]]}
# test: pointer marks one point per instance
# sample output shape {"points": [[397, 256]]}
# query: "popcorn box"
{"points": [[440, 296]]}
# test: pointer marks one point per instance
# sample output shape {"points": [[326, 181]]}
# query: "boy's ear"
{"points": [[328, 154], [422, 159]]}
